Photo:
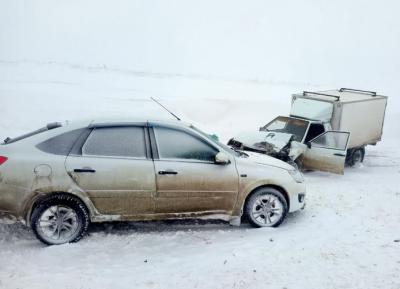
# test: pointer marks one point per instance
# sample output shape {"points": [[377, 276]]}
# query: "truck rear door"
{"points": [[327, 152]]}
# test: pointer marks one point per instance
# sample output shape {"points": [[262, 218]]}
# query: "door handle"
{"points": [[84, 170], [339, 155], [167, 173]]}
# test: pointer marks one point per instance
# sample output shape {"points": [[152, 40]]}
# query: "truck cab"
{"points": [[313, 144]]}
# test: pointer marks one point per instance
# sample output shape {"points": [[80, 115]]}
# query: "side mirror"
{"points": [[308, 144], [222, 159]]}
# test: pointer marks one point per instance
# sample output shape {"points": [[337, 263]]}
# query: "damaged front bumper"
{"points": [[279, 145]]}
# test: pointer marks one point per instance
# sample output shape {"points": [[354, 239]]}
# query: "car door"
{"points": [[327, 152], [115, 169], [188, 179]]}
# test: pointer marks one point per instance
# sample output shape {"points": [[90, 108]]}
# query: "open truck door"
{"points": [[327, 152]]}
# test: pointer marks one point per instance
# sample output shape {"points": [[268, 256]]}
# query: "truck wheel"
{"points": [[356, 157], [60, 219], [266, 207]]}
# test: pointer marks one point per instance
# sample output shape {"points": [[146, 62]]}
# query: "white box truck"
{"points": [[324, 130]]}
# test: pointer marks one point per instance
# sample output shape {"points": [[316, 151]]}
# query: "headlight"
{"points": [[297, 175]]}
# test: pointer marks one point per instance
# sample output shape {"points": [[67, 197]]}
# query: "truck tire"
{"points": [[355, 156]]}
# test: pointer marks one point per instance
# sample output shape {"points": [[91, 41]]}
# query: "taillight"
{"points": [[3, 160]]}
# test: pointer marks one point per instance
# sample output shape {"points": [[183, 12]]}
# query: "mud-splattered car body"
{"points": [[148, 184], [316, 135]]}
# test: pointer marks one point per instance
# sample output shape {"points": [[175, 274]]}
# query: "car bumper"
{"points": [[297, 195]]}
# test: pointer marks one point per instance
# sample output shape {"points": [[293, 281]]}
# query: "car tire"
{"points": [[59, 219], [356, 157], [266, 207]]}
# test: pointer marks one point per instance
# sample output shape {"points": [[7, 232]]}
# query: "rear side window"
{"points": [[176, 144], [116, 141], [61, 144]]}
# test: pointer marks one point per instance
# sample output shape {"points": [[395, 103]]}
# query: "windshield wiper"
{"points": [[240, 152]]}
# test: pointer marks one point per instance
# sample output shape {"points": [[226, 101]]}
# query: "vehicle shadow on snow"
{"points": [[10, 233], [17, 233], [127, 228], [189, 225]]}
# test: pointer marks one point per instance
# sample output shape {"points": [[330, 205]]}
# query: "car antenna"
{"points": [[153, 99]]}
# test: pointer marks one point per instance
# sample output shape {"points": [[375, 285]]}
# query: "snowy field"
{"points": [[347, 237], [227, 66]]}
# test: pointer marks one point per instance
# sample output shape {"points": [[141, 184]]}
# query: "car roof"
{"points": [[342, 95], [299, 118], [128, 121]]}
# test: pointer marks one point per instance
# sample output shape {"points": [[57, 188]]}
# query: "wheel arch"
{"points": [[276, 187], [37, 199]]}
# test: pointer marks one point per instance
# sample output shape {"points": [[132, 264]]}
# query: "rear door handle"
{"points": [[167, 173], [84, 170], [339, 155]]}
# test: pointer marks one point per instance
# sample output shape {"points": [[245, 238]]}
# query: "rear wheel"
{"points": [[60, 219], [356, 157], [266, 207]]}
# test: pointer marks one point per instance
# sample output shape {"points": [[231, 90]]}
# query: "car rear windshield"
{"points": [[49, 126]]}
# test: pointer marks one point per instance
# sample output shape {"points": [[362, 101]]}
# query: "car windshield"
{"points": [[225, 147], [294, 126]]}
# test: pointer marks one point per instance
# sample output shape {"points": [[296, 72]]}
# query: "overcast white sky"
{"points": [[343, 43]]}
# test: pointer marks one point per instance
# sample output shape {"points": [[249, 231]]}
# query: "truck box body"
{"points": [[361, 113]]}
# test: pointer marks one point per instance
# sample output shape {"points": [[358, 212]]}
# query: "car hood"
{"points": [[266, 160], [266, 141]]}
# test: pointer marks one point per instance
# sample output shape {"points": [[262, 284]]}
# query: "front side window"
{"points": [[176, 144], [315, 130], [116, 141], [332, 140]]}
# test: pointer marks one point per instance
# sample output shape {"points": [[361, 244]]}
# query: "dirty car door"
{"points": [[327, 152], [115, 169], [188, 179]]}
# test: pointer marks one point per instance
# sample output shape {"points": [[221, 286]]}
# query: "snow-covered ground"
{"points": [[347, 237]]}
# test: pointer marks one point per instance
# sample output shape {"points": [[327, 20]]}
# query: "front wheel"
{"points": [[60, 219], [266, 207]]}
